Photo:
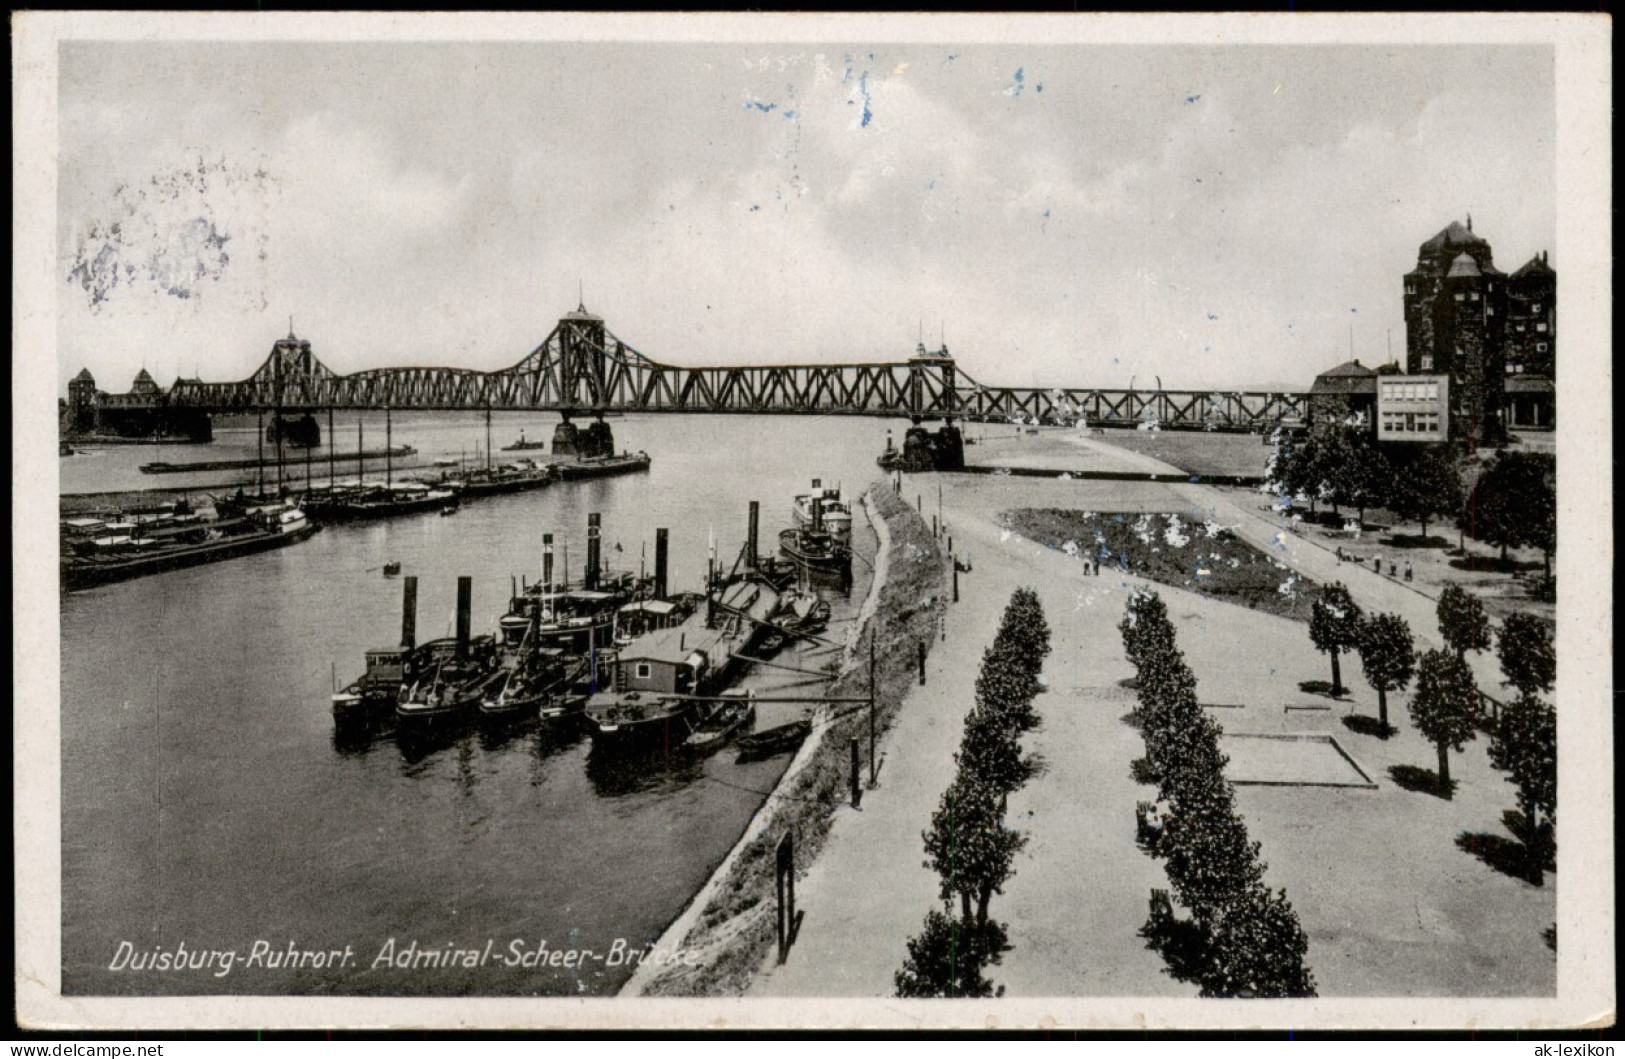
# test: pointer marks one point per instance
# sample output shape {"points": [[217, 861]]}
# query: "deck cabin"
{"points": [[679, 660]]}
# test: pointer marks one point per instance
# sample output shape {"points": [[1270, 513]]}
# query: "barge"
{"points": [[122, 554]]}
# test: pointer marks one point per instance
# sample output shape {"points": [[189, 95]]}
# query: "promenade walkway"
{"points": [[1392, 907]]}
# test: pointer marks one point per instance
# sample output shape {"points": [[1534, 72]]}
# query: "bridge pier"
{"points": [[596, 440], [923, 450]]}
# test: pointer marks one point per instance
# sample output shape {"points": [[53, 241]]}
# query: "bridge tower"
{"points": [[932, 383], [582, 383], [82, 403]]}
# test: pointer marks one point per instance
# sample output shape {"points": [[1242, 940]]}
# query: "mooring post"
{"points": [[934, 534], [956, 581], [919, 503], [785, 884], [871, 708], [857, 791], [950, 544], [921, 646]]}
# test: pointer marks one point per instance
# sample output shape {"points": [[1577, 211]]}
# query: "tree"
{"points": [[1364, 478], [1145, 627], [1388, 656], [1513, 502], [1007, 685], [947, 958], [1334, 626], [1524, 746], [1257, 949], [1023, 625], [1442, 707], [1427, 487], [1210, 861], [1462, 621], [990, 753], [1528, 658], [969, 847]]}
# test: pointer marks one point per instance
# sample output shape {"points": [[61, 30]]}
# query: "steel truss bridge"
{"points": [[581, 368]]}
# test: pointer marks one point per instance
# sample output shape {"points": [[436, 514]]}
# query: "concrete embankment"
{"points": [[728, 929]]}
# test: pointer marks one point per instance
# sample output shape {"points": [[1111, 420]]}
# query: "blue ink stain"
{"points": [[952, 56], [1046, 214], [790, 115], [754, 207], [863, 89], [931, 186], [1038, 88], [1017, 85], [763, 107], [1192, 99], [1212, 316]]}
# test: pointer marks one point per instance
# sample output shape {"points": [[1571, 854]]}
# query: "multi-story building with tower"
{"points": [[1469, 321]]}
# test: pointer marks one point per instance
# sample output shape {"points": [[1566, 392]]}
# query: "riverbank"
{"points": [[729, 929]]}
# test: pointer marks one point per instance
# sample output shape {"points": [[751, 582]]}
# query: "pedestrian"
{"points": [[1407, 571], [1340, 554], [1393, 569]]}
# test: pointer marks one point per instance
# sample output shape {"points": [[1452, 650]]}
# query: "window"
{"points": [[1540, 347], [643, 670], [1475, 295], [1410, 288], [1460, 296], [1537, 307], [1541, 328], [1427, 362], [1410, 423]]}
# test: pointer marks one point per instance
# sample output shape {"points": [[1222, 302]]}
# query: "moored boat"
{"points": [[823, 509], [603, 466], [723, 720], [127, 549], [774, 741], [815, 550]]}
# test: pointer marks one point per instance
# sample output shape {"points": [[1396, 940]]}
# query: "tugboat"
{"points": [[532, 681], [835, 517], [375, 691], [378, 689], [816, 551], [447, 678], [815, 547], [525, 446]]}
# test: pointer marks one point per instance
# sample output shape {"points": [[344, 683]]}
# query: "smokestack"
{"points": [[465, 601], [592, 552], [660, 564], [752, 534], [409, 614], [547, 560], [818, 512]]}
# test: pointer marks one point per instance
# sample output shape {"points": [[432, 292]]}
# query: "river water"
{"points": [[208, 802]]}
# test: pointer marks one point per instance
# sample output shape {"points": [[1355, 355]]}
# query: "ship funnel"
{"points": [[593, 545], [660, 564], [465, 600], [547, 560], [409, 614], [752, 534], [817, 512]]}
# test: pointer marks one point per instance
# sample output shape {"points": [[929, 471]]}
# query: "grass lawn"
{"points": [[1165, 547]]}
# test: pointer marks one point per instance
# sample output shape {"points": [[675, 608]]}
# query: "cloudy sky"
{"points": [[1065, 214]]}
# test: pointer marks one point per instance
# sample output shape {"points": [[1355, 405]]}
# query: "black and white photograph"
{"points": [[870, 521]]}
